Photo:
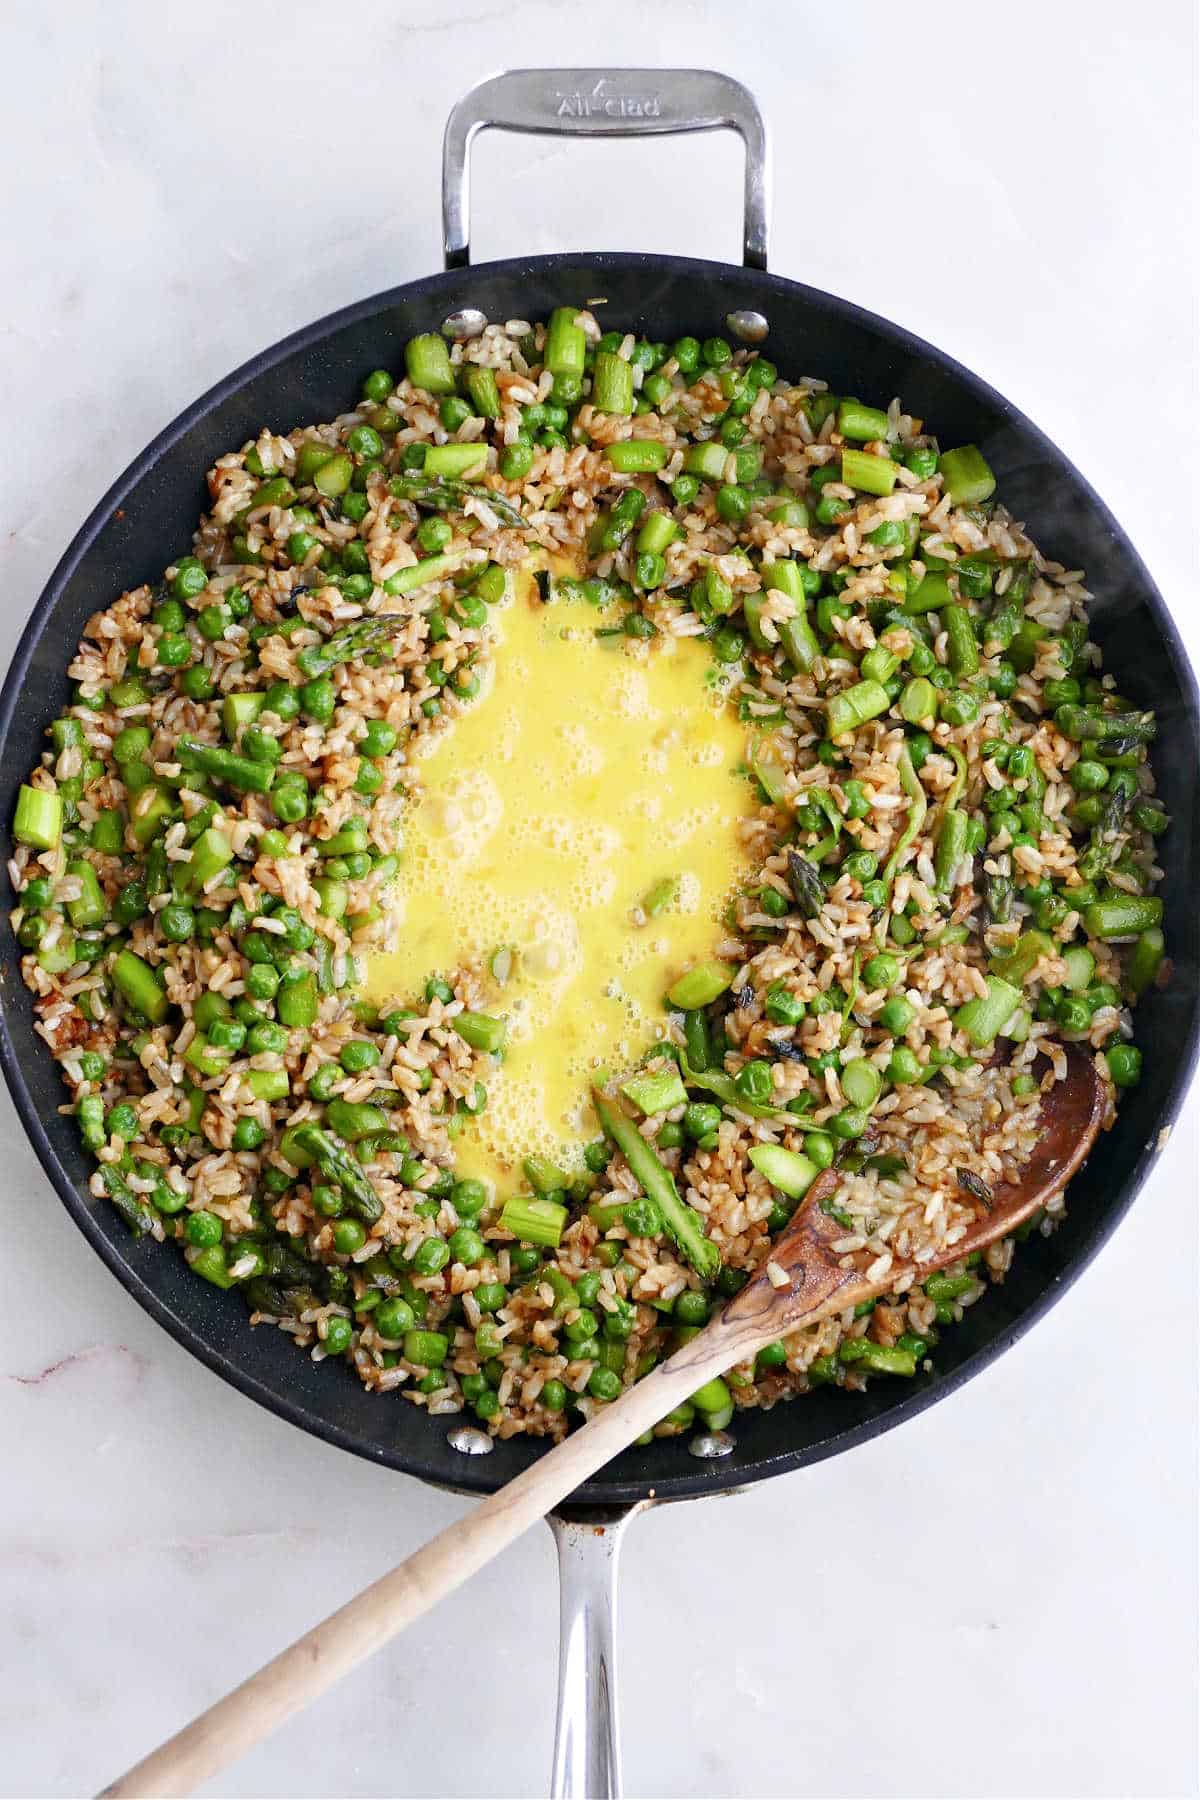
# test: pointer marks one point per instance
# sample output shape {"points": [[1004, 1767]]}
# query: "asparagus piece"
{"points": [[804, 879], [141, 986], [333, 1163], [684, 1225], [444, 494], [39, 818], [136, 1214], [655, 1093], [534, 1221], [235, 771], [353, 641], [1090, 724]]}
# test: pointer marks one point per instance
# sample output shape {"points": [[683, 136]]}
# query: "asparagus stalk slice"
{"points": [[39, 818], [804, 879], [438, 494], [684, 1225], [456, 459], [482, 1031], [655, 1093], [701, 985], [333, 1163], [226, 766], [347, 645], [136, 1214], [534, 1220], [141, 986]]}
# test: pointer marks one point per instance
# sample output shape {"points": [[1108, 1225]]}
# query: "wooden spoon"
{"points": [[812, 1286]]}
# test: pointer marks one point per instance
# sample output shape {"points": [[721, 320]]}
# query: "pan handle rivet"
{"points": [[469, 323], [469, 1442], [747, 327], [709, 1444]]}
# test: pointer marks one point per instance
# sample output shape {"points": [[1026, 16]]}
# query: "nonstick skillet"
{"points": [[151, 510]]}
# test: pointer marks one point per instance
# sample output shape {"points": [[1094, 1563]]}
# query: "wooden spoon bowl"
{"points": [[820, 1283]]}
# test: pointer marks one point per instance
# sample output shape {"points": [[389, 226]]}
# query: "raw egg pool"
{"points": [[590, 775]]}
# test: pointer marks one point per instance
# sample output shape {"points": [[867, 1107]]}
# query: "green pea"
{"points": [[191, 578], [466, 1245], [248, 1134], [394, 1316], [177, 924], [881, 971], [691, 1307], [260, 746], [377, 386], [203, 1229], [861, 865], [857, 803], [282, 700], [122, 1121], [753, 1082], [349, 1236], [819, 1148], [1124, 1064], [897, 1015], [196, 682], [699, 1120], [516, 461], [904, 1067], [468, 1198], [1088, 777], [1074, 1013], [433, 535], [318, 698], [301, 544], [364, 440], [337, 1334], [733, 503], [851, 1122], [379, 738]]}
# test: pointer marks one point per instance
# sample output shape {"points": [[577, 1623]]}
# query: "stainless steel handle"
{"points": [[604, 103], [587, 1758]]}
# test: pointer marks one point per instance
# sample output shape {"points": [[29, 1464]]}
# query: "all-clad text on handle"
{"points": [[604, 103]]}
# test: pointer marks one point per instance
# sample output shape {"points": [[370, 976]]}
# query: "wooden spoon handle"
{"points": [[347, 1637]]}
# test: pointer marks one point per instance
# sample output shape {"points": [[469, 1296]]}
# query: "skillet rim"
{"points": [[693, 1481]]}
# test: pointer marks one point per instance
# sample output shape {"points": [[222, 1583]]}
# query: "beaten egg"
{"points": [[575, 834]]}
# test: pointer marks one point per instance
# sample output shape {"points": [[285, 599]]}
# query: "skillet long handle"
{"points": [[604, 103], [347, 1637], [587, 1743]]}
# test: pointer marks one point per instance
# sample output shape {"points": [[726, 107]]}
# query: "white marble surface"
{"points": [[187, 183]]}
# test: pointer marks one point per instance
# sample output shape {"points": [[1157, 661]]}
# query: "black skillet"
{"points": [[148, 516]]}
